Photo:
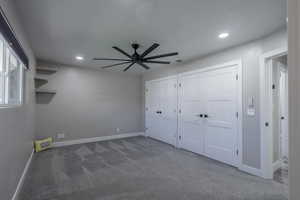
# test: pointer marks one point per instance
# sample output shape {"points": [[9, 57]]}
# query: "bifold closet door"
{"points": [[161, 110], [208, 121]]}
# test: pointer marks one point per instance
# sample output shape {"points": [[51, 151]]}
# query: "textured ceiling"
{"points": [[61, 29]]}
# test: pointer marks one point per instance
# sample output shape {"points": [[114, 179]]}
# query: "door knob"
{"points": [[200, 115], [205, 115]]}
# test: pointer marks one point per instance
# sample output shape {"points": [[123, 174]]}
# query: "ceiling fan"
{"points": [[137, 58]]}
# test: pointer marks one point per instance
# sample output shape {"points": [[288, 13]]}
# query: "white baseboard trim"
{"points": [[251, 170], [276, 165], [96, 139], [21, 181]]}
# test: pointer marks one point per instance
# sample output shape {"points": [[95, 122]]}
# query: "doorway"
{"points": [[274, 116], [280, 119]]}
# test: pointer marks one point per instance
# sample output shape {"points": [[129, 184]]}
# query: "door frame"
{"points": [[266, 116], [239, 64]]}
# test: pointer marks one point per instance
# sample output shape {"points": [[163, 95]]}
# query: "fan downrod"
{"points": [[135, 46]]}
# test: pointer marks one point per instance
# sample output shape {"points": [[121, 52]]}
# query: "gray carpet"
{"points": [[136, 169]]}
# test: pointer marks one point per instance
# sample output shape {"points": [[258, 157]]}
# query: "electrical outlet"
{"points": [[60, 136], [118, 130]]}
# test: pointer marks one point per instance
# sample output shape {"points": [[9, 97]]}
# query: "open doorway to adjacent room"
{"points": [[274, 116]]}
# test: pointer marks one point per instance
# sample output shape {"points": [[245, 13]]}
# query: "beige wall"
{"points": [[17, 124], [249, 53], [89, 103]]}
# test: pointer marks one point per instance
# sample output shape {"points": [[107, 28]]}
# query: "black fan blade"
{"points": [[150, 49], [127, 68], [143, 65], [112, 59], [161, 56], [123, 52], [157, 62], [122, 63]]}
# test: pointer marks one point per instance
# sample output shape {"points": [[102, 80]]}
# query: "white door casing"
{"points": [[266, 111]]}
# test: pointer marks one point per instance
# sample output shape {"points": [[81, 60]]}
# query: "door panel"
{"points": [[221, 105], [152, 107], [168, 117], [192, 127], [213, 93], [161, 110]]}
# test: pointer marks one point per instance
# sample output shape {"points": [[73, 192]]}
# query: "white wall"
{"points": [[89, 103], [249, 53], [16, 124]]}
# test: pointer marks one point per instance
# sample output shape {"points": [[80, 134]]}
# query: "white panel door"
{"points": [[152, 109], [221, 136], [192, 109], [208, 122], [168, 111], [161, 110]]}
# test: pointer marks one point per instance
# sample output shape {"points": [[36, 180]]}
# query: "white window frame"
{"points": [[5, 81]]}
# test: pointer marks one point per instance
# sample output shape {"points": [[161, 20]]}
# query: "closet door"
{"points": [[168, 108], [152, 101], [221, 121], [161, 110], [192, 91], [208, 122]]}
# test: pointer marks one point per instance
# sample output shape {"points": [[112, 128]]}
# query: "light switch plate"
{"points": [[60, 136]]}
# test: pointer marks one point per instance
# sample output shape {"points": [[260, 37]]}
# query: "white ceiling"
{"points": [[61, 29]]}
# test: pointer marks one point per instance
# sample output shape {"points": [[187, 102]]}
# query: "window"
{"points": [[11, 76]]}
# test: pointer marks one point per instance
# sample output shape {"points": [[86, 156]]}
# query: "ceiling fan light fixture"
{"points": [[139, 59]]}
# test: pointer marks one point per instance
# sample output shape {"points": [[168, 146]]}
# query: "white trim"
{"points": [[276, 165], [161, 79], [265, 71], [251, 170], [212, 68], [21, 181], [240, 112], [96, 139]]}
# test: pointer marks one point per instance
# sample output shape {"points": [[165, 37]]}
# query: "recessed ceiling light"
{"points": [[79, 58], [223, 35]]}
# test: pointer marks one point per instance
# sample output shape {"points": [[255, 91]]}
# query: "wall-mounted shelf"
{"points": [[39, 91], [46, 70], [40, 82]]}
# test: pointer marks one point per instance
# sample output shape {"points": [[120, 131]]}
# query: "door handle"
{"points": [[205, 115], [157, 112], [200, 115], [282, 118]]}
